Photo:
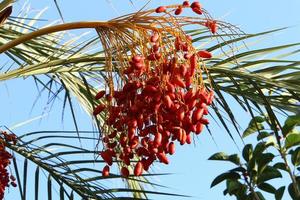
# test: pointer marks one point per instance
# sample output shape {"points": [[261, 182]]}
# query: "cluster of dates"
{"points": [[157, 106], [5, 178], [161, 99], [196, 8]]}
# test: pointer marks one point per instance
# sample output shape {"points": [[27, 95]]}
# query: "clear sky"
{"points": [[192, 173]]}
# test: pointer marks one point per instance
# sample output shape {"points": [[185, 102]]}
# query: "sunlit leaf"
{"points": [[290, 123], [292, 140], [262, 135]]}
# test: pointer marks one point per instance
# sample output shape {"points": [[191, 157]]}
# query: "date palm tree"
{"points": [[70, 71]]}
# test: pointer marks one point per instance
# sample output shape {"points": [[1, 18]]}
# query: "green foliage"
{"points": [[255, 125], [267, 174], [247, 152], [225, 176], [260, 165], [219, 156], [295, 156], [290, 124], [292, 140], [292, 190], [263, 134], [222, 156], [267, 188], [279, 193]]}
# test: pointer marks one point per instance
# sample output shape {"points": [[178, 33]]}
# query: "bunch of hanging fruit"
{"points": [[5, 156], [161, 99]]}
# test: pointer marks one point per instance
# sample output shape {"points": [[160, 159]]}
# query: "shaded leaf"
{"points": [[234, 158], [219, 156], [238, 169], [223, 177], [267, 187], [260, 196], [279, 193], [263, 160], [280, 165], [247, 152], [292, 192], [296, 157], [233, 186], [259, 149]]}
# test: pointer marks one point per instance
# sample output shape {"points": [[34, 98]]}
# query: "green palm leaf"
{"points": [[60, 163]]}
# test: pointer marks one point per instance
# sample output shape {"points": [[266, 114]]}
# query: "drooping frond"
{"points": [[59, 163]]}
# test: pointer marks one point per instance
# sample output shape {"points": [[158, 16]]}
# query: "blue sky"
{"points": [[192, 173]]}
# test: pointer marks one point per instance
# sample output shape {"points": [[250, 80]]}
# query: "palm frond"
{"points": [[263, 76], [61, 164]]}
